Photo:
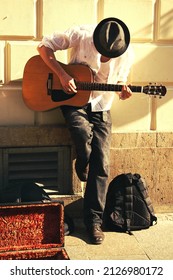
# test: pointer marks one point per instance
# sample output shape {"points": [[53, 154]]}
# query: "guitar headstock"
{"points": [[155, 90]]}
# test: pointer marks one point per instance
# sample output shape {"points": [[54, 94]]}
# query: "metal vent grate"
{"points": [[48, 166]]}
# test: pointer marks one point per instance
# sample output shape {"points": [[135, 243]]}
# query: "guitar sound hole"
{"points": [[60, 95]]}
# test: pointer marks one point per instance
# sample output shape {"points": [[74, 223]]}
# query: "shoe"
{"points": [[96, 234], [81, 173]]}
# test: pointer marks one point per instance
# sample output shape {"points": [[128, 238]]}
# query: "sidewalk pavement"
{"points": [[155, 243]]}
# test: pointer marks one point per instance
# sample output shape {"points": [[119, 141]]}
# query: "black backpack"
{"points": [[128, 205]]}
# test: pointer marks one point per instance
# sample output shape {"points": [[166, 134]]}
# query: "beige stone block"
{"points": [[38, 136], [133, 140], [165, 112], [165, 20], [51, 117], [165, 139], [13, 110], [164, 175], [134, 160], [62, 56], [152, 64], [66, 13], [154, 164], [19, 53], [132, 114], [17, 18], [131, 12], [2, 45]]}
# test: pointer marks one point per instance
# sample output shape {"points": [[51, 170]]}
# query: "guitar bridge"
{"points": [[49, 84]]}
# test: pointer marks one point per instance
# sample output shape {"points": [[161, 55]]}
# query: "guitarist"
{"points": [[105, 49]]}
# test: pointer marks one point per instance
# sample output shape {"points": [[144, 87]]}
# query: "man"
{"points": [[105, 49]]}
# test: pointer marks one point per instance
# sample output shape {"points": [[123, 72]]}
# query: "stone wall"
{"points": [[149, 154]]}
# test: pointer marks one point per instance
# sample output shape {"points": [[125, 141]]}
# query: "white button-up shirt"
{"points": [[83, 51]]}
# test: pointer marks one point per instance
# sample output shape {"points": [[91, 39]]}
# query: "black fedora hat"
{"points": [[111, 37]]}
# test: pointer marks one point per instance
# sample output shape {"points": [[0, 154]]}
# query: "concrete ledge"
{"points": [[29, 136]]}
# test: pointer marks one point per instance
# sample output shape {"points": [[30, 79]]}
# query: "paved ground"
{"points": [[155, 243]]}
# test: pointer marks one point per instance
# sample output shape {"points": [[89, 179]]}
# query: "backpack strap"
{"points": [[128, 201], [142, 186]]}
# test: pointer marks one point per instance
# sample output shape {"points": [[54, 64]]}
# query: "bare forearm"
{"points": [[49, 58]]}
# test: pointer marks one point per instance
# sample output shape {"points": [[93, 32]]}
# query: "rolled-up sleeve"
{"points": [[62, 41]]}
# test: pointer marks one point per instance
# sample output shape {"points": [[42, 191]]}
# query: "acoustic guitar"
{"points": [[42, 90]]}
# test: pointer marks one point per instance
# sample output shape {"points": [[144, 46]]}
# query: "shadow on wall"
{"points": [[154, 67], [165, 27]]}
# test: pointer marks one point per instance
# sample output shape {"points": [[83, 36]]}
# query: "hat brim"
{"points": [[98, 45]]}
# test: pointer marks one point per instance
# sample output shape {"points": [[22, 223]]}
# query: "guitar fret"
{"points": [[105, 87], [96, 86], [119, 87], [112, 87], [136, 88]]}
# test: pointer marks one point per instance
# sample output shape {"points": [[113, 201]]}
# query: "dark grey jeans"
{"points": [[91, 133]]}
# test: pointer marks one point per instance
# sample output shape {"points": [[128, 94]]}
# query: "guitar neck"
{"points": [[105, 87]]}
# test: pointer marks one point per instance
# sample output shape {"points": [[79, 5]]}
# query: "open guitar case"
{"points": [[32, 226]]}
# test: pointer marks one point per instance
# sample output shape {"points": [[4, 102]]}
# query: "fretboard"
{"points": [[105, 87]]}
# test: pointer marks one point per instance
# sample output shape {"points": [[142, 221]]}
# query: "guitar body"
{"points": [[34, 86], [42, 90]]}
